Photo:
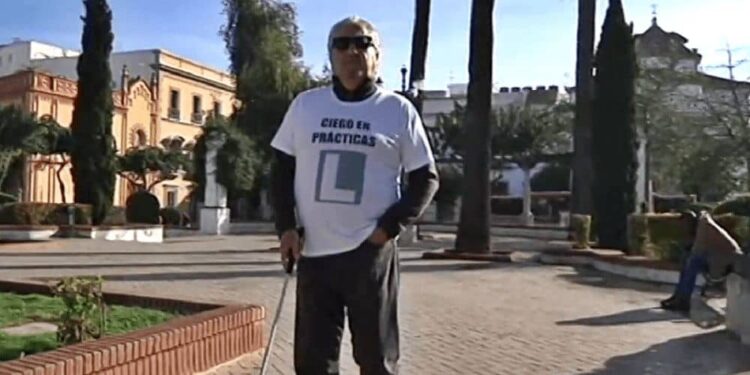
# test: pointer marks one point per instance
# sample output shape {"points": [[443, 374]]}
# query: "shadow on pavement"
{"points": [[645, 315], [705, 354], [218, 275], [590, 277], [452, 267]]}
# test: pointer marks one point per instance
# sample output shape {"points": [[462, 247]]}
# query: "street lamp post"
{"points": [[403, 79]]}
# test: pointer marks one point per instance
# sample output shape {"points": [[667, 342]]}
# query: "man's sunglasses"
{"points": [[342, 43]]}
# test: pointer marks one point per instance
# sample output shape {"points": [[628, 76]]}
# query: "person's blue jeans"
{"points": [[694, 265]]}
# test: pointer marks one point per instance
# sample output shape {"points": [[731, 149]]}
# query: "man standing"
{"points": [[340, 152]]}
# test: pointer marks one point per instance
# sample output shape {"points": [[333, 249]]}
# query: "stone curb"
{"points": [[496, 256], [637, 269], [541, 233]]}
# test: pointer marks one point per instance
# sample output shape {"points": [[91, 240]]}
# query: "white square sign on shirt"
{"points": [[341, 177]]}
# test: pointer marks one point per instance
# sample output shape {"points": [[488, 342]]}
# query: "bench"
{"points": [[738, 299]]}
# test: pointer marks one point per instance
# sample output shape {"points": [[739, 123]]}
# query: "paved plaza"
{"points": [[457, 317]]}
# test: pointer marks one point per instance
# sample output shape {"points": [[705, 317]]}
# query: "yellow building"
{"points": [[157, 95]]}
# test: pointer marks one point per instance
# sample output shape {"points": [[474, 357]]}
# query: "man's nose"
{"points": [[352, 48]]}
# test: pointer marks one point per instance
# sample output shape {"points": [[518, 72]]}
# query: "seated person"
{"points": [[711, 252]]}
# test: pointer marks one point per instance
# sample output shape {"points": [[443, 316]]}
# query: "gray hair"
{"points": [[364, 24]]}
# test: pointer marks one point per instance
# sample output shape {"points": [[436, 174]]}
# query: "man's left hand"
{"points": [[378, 237]]}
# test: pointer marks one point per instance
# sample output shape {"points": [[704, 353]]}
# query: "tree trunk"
{"points": [[474, 226], [60, 182], [582, 161], [419, 43]]}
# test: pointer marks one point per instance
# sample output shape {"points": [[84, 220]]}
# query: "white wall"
{"points": [[14, 57], [45, 51], [21, 55]]}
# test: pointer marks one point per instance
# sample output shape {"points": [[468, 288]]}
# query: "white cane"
{"points": [[288, 268]]}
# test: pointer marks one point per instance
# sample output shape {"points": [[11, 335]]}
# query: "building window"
{"points": [[197, 116], [141, 139], [170, 196], [217, 108], [174, 104]]}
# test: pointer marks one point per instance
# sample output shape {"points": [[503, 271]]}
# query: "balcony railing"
{"points": [[174, 114], [196, 118]]}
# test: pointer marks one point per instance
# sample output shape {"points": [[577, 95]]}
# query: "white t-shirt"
{"points": [[349, 158]]}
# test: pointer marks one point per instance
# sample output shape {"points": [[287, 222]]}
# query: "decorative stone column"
{"points": [[527, 218], [214, 216]]}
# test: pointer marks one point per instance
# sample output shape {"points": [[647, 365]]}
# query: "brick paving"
{"points": [[457, 317]]}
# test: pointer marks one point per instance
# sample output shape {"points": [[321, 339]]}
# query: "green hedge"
{"points": [[701, 206], [666, 234], [580, 226], [637, 234], [737, 226], [171, 216], [116, 216], [738, 206], [663, 236], [33, 213], [672, 203], [28, 214]]}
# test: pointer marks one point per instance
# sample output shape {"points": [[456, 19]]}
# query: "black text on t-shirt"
{"points": [[337, 137]]}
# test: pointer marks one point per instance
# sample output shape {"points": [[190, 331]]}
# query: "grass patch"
{"points": [[18, 309]]}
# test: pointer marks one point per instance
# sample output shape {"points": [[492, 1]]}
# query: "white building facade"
{"points": [[20, 54], [438, 102]]}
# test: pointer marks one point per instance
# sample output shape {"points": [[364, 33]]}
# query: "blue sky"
{"points": [[534, 39]]}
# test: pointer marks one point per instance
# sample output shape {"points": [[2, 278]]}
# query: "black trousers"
{"points": [[361, 284]]}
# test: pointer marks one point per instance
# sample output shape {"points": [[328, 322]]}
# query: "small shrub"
{"points": [[581, 228], [506, 205], [451, 182], [667, 236], [143, 208], [84, 315], [667, 250], [81, 214], [737, 226], [116, 216], [171, 216], [27, 213], [665, 233], [701, 206], [637, 234], [739, 206]]}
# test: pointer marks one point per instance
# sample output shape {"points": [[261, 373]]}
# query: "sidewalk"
{"points": [[457, 317]]}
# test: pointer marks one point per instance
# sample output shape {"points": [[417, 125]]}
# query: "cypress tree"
{"points": [[93, 157], [614, 135]]}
